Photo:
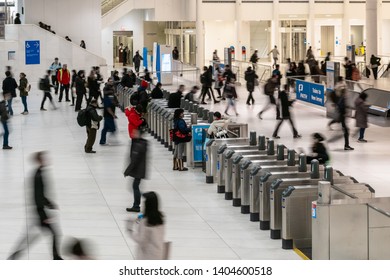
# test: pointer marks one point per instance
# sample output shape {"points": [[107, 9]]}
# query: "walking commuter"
{"points": [[254, 59], [4, 116], [206, 80], [9, 86], [327, 58], [24, 88], [216, 57], [361, 107], [55, 67], [286, 115], [375, 62], [137, 167], [175, 53], [348, 69], [46, 88], [309, 53], [81, 91], [137, 61], [250, 78], [41, 202], [64, 78], [231, 95], [174, 98], [93, 86], [124, 54], [191, 95], [92, 126], [269, 89], [275, 53], [276, 72], [218, 81], [179, 125], [148, 231], [110, 103]]}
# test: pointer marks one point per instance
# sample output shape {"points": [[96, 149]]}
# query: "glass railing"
{"points": [[108, 5]]}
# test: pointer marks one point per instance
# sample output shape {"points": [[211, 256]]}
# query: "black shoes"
{"points": [[362, 140], [297, 136], [90, 152], [276, 136], [204, 103], [7, 147], [259, 115], [348, 148], [133, 209]]}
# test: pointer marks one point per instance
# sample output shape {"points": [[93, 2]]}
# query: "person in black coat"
{"points": [[126, 80], [319, 150], [250, 78], [137, 61], [157, 92], [137, 168], [41, 202], [47, 91], [17, 19], [80, 89], [92, 126], [10, 86], [375, 63], [285, 106], [174, 98]]}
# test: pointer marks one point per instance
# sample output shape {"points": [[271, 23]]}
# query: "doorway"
{"points": [[123, 48], [327, 40], [293, 33]]}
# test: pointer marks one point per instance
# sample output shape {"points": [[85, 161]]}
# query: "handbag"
{"points": [[177, 136]]}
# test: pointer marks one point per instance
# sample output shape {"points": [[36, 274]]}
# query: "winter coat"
{"points": [[361, 113], [80, 86], [137, 60], [250, 77], [137, 166], [63, 76], [93, 117], [23, 84], [157, 93], [134, 120], [322, 154], [174, 99], [10, 86]]}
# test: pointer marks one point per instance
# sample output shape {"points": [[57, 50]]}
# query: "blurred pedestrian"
{"points": [[9, 86], [78, 249], [319, 151], [375, 62], [250, 78], [41, 202], [286, 115], [231, 95], [148, 230], [4, 121], [45, 86], [218, 80], [269, 89], [110, 104]]}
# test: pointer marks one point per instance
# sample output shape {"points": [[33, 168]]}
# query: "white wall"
{"points": [[78, 19], [51, 46], [385, 37], [218, 35], [133, 21], [339, 50]]}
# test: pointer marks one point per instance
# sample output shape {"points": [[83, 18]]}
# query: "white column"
{"points": [[346, 29], [239, 31], [275, 34], [200, 55], [371, 28], [310, 29]]}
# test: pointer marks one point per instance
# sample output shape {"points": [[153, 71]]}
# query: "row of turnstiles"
{"points": [[286, 195]]}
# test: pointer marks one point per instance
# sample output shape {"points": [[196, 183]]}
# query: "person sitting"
{"points": [[218, 128], [190, 96], [318, 150]]}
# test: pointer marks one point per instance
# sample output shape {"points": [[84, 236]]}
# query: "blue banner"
{"points": [[32, 49], [310, 92], [145, 57], [197, 141]]}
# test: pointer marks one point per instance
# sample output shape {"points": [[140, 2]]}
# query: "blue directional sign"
{"points": [[310, 92], [33, 52]]}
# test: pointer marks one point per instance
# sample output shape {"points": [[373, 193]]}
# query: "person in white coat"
{"points": [[148, 230]]}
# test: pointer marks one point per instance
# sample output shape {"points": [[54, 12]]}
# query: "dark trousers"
{"points": [[219, 92], [91, 137], [345, 130], [361, 133], [6, 133], [272, 101], [66, 88], [54, 82], [24, 101], [295, 132], [46, 95], [9, 106], [375, 72], [109, 126], [250, 98], [79, 101], [136, 67], [137, 193]]}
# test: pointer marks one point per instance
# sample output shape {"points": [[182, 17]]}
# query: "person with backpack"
{"points": [[92, 125], [54, 67], [218, 128], [269, 90], [81, 90], [4, 121], [45, 86], [250, 78], [9, 86], [254, 59]]}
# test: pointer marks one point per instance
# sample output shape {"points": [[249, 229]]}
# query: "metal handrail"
{"points": [[108, 5]]}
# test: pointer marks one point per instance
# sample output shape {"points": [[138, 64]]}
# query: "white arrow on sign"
{"points": [[36, 44]]}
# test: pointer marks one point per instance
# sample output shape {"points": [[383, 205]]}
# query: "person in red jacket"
{"points": [[63, 78], [134, 116]]}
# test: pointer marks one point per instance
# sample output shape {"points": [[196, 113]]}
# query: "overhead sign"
{"points": [[33, 49], [310, 92]]}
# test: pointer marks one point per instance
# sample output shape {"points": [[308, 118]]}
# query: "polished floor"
{"points": [[92, 193]]}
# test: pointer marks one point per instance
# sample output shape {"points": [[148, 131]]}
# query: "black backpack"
{"points": [[82, 117], [41, 84], [203, 78]]}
